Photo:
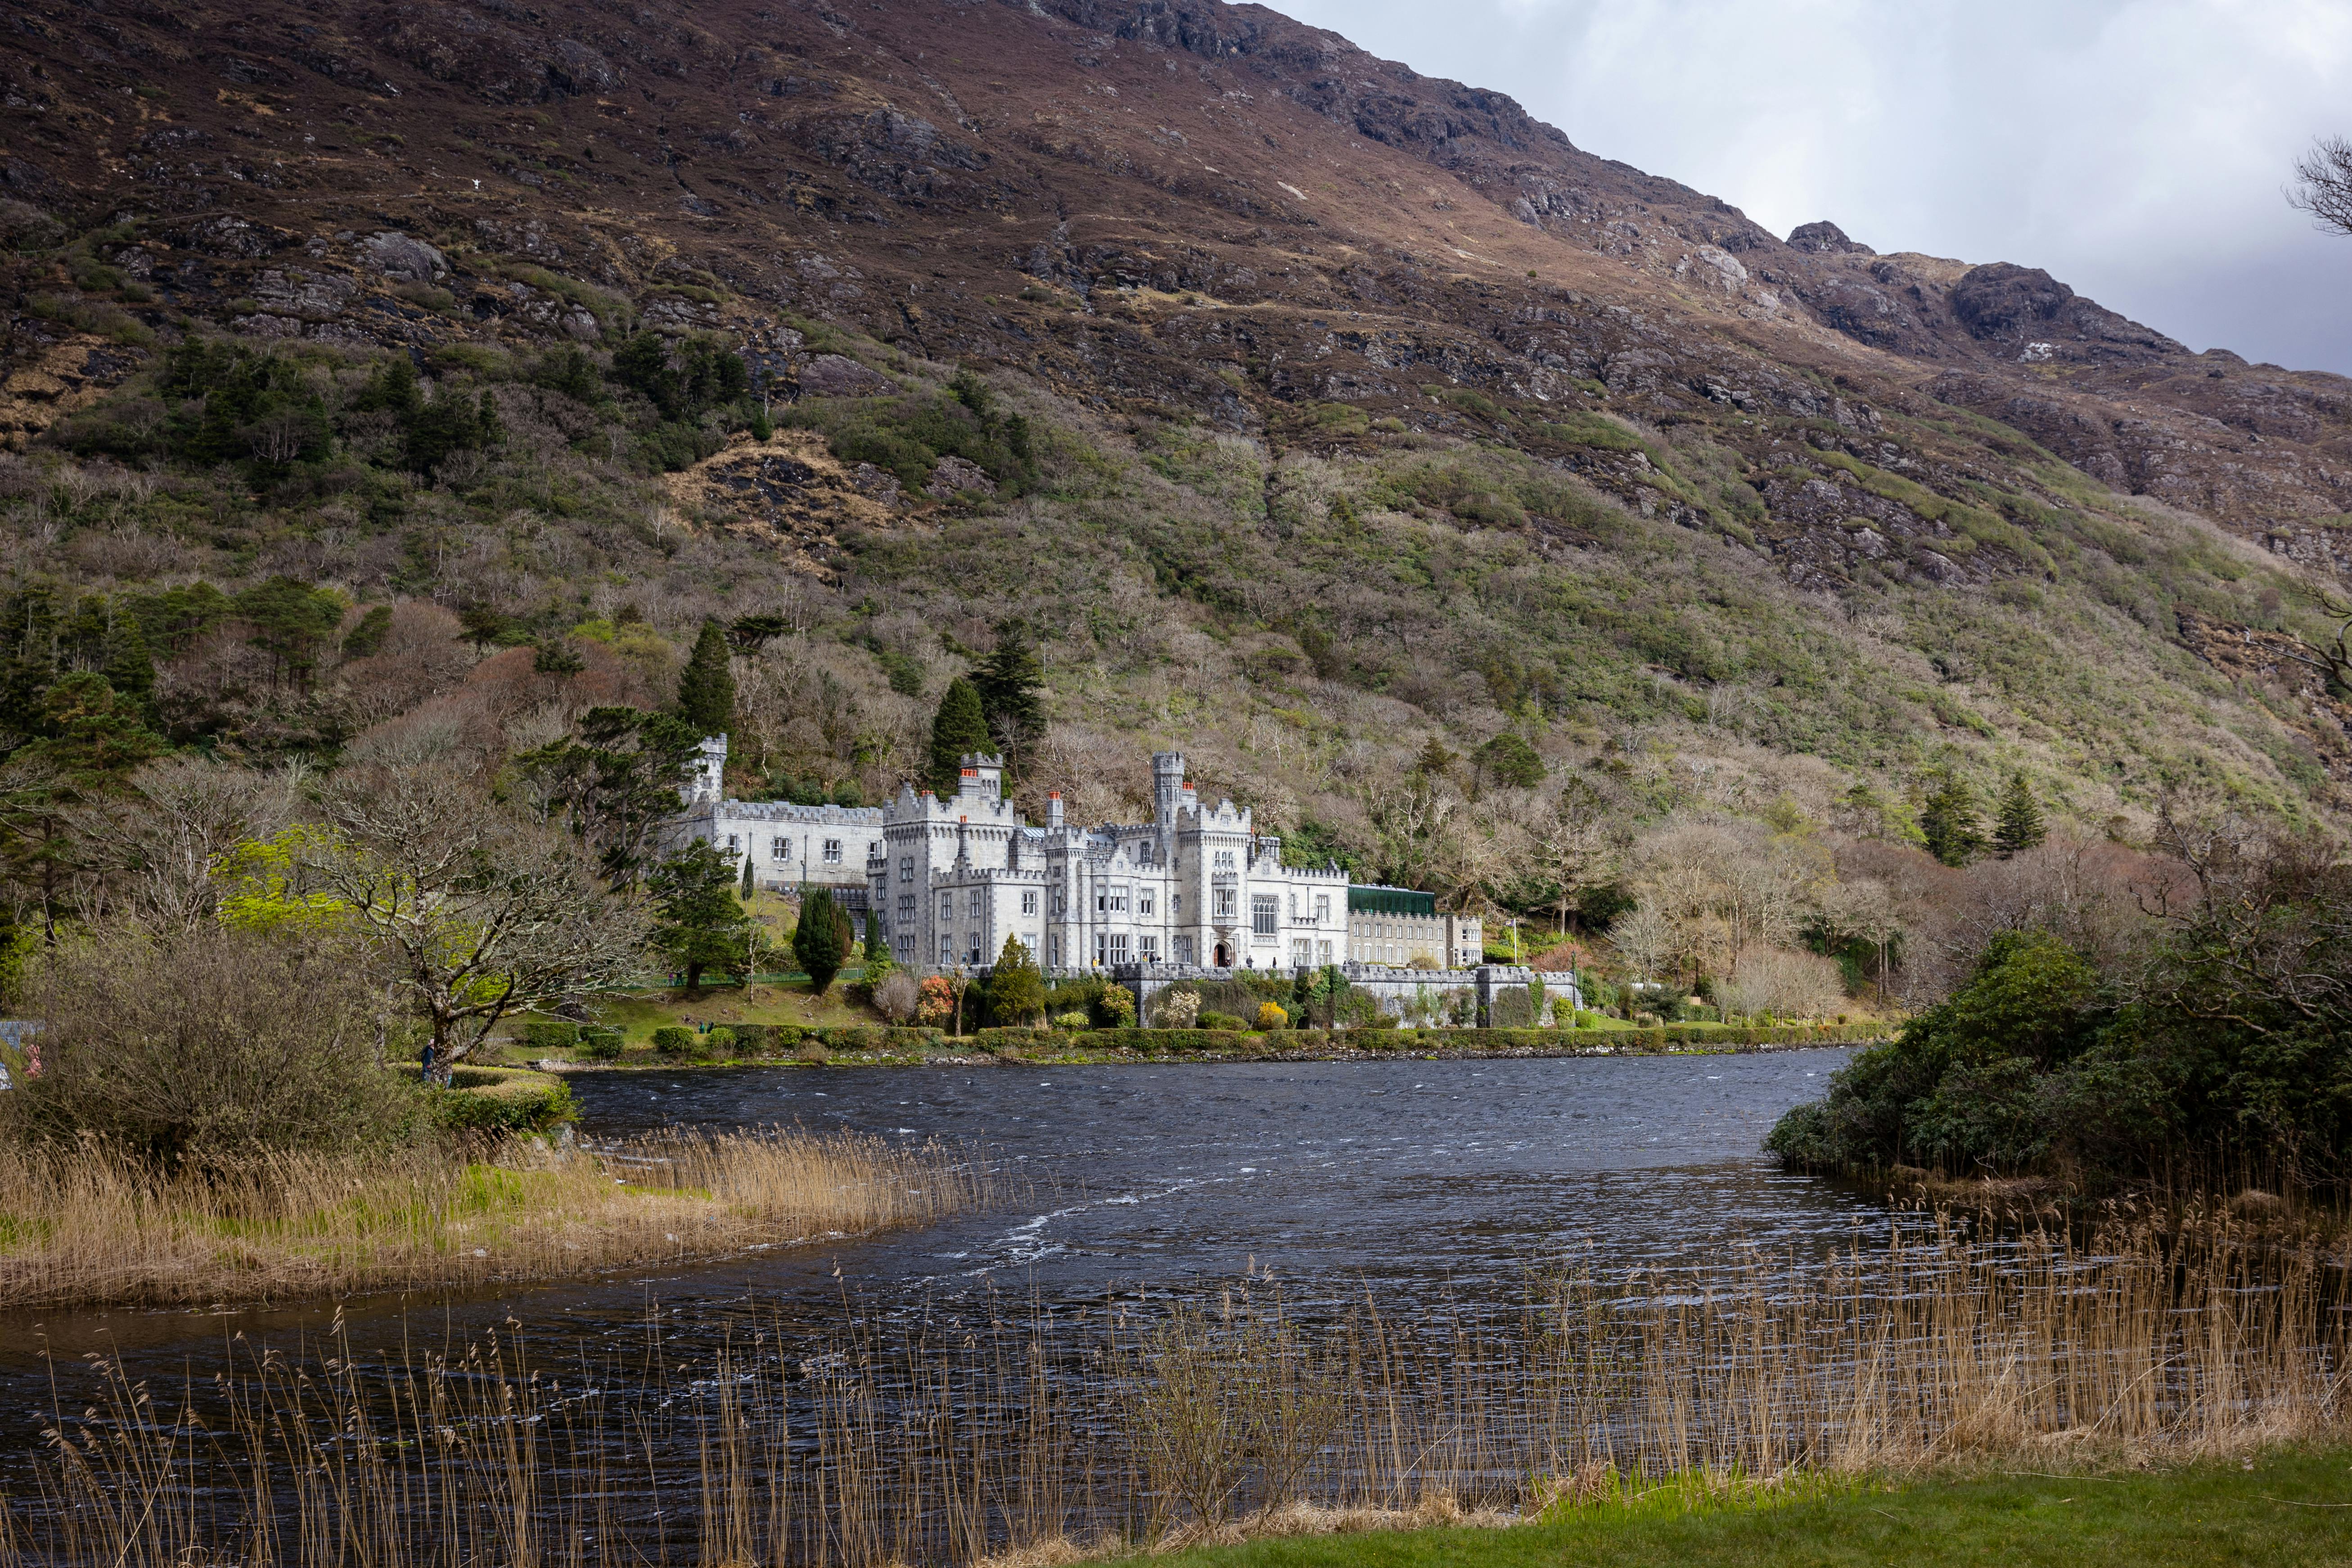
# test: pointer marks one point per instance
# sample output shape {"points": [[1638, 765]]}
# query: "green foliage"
{"points": [[958, 729], [568, 369], [1008, 681], [2017, 822], [706, 690], [907, 436], [614, 784], [683, 380], [700, 925], [1950, 822], [1509, 760], [598, 1044], [676, 1041], [719, 1041], [365, 639], [821, 940], [544, 1035], [291, 623], [1016, 988]]}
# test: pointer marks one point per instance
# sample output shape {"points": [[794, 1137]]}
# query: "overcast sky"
{"points": [[2135, 149]]}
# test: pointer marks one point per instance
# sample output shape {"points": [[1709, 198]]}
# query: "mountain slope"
{"points": [[1367, 408]]}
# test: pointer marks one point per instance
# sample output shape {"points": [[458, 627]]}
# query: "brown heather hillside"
{"points": [[1366, 410]]}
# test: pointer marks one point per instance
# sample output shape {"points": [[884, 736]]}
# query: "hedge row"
{"points": [[783, 1039]]}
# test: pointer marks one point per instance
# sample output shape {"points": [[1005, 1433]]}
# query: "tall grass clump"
{"points": [[1041, 1434], [87, 1224]]}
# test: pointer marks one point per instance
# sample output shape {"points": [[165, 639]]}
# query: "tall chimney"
{"points": [[1054, 810]]}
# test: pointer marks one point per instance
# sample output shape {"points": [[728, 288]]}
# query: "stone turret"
{"points": [[708, 783], [1167, 785]]}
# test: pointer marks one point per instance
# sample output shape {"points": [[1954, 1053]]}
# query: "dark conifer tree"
{"points": [[1952, 823], [957, 728], [821, 941], [1008, 681], [706, 692], [2017, 823]]}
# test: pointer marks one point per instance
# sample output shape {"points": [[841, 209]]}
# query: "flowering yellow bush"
{"points": [[1270, 1015]]}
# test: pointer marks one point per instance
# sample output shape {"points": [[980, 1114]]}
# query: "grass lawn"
{"points": [[639, 1014], [2293, 1505]]}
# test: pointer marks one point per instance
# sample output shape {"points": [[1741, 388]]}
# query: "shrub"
{"points": [[898, 996], [206, 1044], [1117, 1007], [550, 1034], [720, 1042], [1073, 1020], [600, 1045], [674, 1040], [813, 1051], [1224, 1022], [1270, 1015], [1178, 1008], [753, 1039], [936, 1001], [524, 1107]]}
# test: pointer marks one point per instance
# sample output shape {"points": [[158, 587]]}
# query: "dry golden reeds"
{"points": [[87, 1225], [1021, 1439]]}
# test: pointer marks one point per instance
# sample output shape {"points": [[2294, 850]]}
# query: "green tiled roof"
{"points": [[1382, 901]]}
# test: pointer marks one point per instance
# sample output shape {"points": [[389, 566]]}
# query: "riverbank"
{"points": [[2285, 1506], [877, 1046], [84, 1227]]}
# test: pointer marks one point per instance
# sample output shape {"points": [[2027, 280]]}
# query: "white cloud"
{"points": [[2133, 148]]}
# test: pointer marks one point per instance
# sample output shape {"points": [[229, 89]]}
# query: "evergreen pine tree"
{"points": [[821, 941], [957, 728], [746, 890], [2017, 823], [876, 952], [706, 692], [1008, 681], [1951, 824], [698, 922]]}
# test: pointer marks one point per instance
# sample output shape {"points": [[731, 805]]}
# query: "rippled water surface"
{"points": [[1415, 1179]]}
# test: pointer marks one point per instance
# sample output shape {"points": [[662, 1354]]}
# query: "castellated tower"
{"points": [[1167, 785]]}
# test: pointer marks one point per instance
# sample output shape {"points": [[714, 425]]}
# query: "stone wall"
{"points": [[1393, 987]]}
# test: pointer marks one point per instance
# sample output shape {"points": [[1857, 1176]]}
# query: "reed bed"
{"points": [[1029, 1437], [86, 1225]]}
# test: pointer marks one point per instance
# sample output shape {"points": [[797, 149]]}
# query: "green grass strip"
{"points": [[2293, 1505]]}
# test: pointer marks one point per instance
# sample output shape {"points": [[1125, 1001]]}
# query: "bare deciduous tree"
{"points": [[478, 912], [2323, 184]]}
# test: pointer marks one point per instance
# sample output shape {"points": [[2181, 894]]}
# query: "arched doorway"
{"points": [[1224, 960]]}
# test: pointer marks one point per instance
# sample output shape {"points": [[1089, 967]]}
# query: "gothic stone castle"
{"points": [[1197, 886]]}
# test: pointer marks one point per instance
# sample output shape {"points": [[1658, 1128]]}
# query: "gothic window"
{"points": [[780, 847], [1322, 953], [906, 945], [947, 949], [947, 908], [1175, 903], [1183, 950], [734, 843], [907, 869], [906, 907], [1322, 908], [1029, 903], [1144, 902], [977, 901], [1054, 944], [833, 851], [1224, 899], [1264, 913], [1118, 900], [1147, 948], [1119, 947]]}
